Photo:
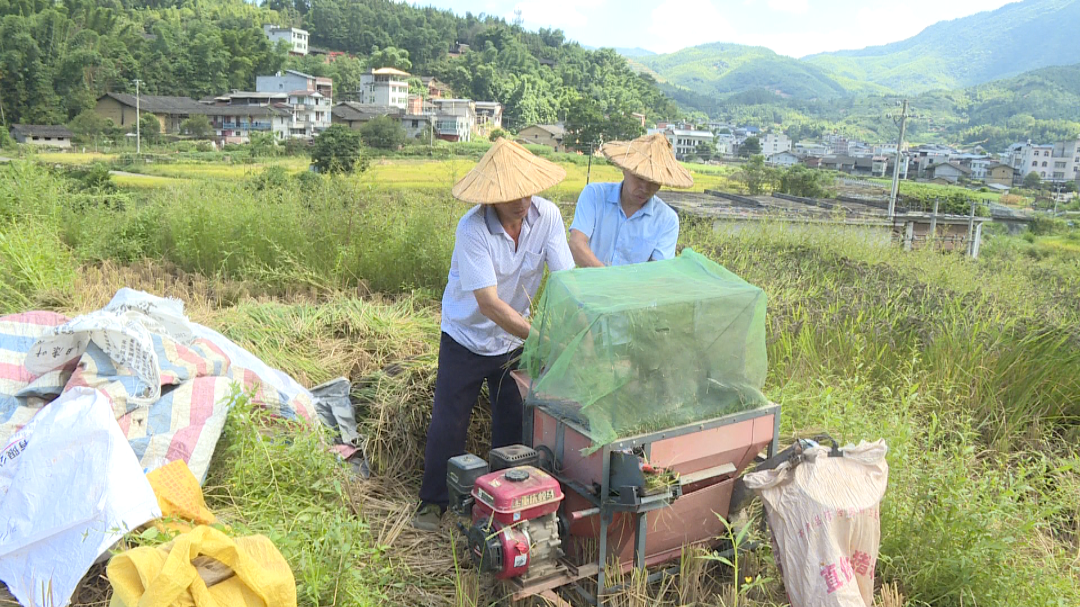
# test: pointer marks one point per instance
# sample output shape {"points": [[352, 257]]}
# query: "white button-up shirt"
{"points": [[485, 256]]}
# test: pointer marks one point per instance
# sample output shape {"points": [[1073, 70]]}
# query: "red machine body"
{"points": [[509, 501], [514, 520]]}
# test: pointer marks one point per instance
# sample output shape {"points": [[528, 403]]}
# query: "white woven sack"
{"points": [[824, 515]]}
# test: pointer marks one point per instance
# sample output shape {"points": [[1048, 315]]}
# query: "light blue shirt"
{"points": [[485, 256], [615, 239]]}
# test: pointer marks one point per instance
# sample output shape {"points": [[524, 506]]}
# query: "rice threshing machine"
{"points": [[643, 406]]}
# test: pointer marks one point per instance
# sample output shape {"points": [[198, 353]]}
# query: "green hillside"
{"points": [[720, 68], [1041, 105], [1013, 39], [57, 58]]}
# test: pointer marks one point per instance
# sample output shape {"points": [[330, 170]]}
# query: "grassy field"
{"points": [[908, 188], [969, 370], [398, 173]]}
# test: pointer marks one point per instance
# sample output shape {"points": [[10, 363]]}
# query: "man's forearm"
{"points": [[583, 255], [508, 319]]}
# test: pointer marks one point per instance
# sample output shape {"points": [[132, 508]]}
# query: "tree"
{"points": [[621, 126], [337, 150], [198, 126], [705, 150], [88, 126], [149, 128], [750, 147], [5, 138], [383, 132], [1070, 186], [497, 133], [584, 125], [1032, 181], [799, 180], [397, 58], [756, 176], [416, 87]]}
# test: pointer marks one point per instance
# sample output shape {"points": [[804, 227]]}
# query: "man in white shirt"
{"points": [[500, 249], [626, 222]]}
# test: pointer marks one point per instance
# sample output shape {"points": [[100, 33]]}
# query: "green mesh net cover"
{"points": [[639, 348]]}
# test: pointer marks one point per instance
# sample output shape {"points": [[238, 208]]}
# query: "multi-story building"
{"points": [[1029, 157], [809, 149], [1066, 156], [235, 124], [685, 142], [774, 143], [296, 38], [926, 156], [489, 115], [725, 144], [384, 86], [311, 99], [292, 80], [838, 144], [455, 119]]}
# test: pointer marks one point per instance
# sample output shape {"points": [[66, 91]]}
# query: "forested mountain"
{"points": [[58, 56], [720, 68], [987, 46], [1015, 38], [1040, 105]]}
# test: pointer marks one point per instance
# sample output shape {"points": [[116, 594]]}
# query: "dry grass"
{"points": [[890, 596]]}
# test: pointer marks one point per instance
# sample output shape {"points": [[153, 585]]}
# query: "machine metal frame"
{"points": [[606, 507]]}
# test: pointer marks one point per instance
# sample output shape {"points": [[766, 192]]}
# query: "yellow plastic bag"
{"points": [[179, 496], [165, 576]]}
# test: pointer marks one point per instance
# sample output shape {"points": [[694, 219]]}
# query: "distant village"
{"points": [[1055, 163], [292, 104]]}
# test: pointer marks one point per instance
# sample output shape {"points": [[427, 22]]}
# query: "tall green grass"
{"points": [[33, 259], [969, 369], [334, 234]]}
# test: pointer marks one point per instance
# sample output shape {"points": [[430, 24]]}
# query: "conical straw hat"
{"points": [[507, 172], [650, 158]]}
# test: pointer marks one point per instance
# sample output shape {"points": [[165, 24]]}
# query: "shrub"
{"points": [[383, 133], [337, 150]]}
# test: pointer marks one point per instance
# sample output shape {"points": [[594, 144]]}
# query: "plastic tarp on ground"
{"points": [[69, 489], [648, 346], [170, 401]]}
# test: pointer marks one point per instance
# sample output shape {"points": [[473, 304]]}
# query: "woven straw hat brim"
{"points": [[507, 172], [650, 158]]}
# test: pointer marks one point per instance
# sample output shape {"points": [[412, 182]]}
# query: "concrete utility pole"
{"points": [[138, 135], [900, 120]]}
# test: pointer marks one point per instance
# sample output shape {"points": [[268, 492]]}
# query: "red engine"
{"points": [[515, 530]]}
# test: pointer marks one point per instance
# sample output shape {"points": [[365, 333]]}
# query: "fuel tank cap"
{"points": [[516, 475]]}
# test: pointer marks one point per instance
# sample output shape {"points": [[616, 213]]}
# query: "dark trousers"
{"points": [[457, 388]]}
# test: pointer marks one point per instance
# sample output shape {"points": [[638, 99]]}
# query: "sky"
{"points": [[789, 27]]}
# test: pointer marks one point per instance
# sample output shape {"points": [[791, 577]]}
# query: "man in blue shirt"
{"points": [[623, 223], [500, 249]]}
